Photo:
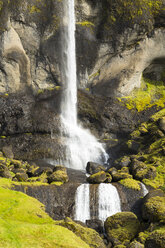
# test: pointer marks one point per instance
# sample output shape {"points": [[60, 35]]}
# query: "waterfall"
{"points": [[144, 189], [82, 206], [81, 145], [109, 201], [106, 204]]}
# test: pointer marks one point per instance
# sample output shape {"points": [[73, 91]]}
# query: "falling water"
{"points": [[82, 146], [109, 201], [144, 189], [82, 201]]}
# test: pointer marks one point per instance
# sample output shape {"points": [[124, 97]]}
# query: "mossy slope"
{"points": [[24, 224]]}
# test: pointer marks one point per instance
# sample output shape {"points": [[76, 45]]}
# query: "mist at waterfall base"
{"points": [[81, 145]]}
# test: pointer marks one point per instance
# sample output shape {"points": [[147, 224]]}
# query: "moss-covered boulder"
{"points": [[122, 162], [121, 227], [21, 177], [140, 170], [88, 235], [99, 177], [153, 208], [58, 176], [121, 175], [156, 239], [161, 124], [131, 183], [93, 168], [136, 244]]}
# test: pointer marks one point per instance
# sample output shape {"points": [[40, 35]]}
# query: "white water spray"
{"points": [[82, 201], [82, 146], [144, 189], [109, 201]]}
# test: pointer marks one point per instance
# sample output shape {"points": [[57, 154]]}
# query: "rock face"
{"points": [[30, 44]]}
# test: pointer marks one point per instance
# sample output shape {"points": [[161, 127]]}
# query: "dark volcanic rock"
{"points": [[98, 177], [93, 168]]}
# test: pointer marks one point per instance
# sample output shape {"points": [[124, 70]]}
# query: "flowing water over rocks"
{"points": [[96, 202]]}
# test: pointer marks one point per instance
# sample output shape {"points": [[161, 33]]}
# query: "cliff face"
{"points": [[116, 41]]}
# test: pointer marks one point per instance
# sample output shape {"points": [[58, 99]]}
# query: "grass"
{"points": [[24, 223]]}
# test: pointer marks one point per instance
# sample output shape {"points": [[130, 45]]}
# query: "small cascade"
{"points": [[144, 189], [82, 203], [96, 202], [109, 201]]}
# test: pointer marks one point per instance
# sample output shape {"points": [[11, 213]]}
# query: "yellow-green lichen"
{"points": [[151, 93], [130, 183]]}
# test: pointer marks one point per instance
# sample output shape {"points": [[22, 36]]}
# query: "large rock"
{"points": [[121, 227], [93, 168], [153, 208], [58, 176], [98, 177], [140, 170], [161, 123], [156, 239]]}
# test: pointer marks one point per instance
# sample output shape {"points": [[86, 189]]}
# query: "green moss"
{"points": [[150, 94], [157, 238], [121, 226], [159, 114], [132, 11], [86, 24], [88, 235], [130, 183], [155, 207], [23, 224], [142, 236]]}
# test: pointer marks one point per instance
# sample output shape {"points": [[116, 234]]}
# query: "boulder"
{"points": [[153, 208], [99, 177], [88, 235], [161, 124], [93, 168], [4, 172], [121, 227], [33, 171], [123, 162], [156, 239], [95, 224], [58, 176], [141, 171], [21, 177], [120, 175], [60, 167], [136, 244]]}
